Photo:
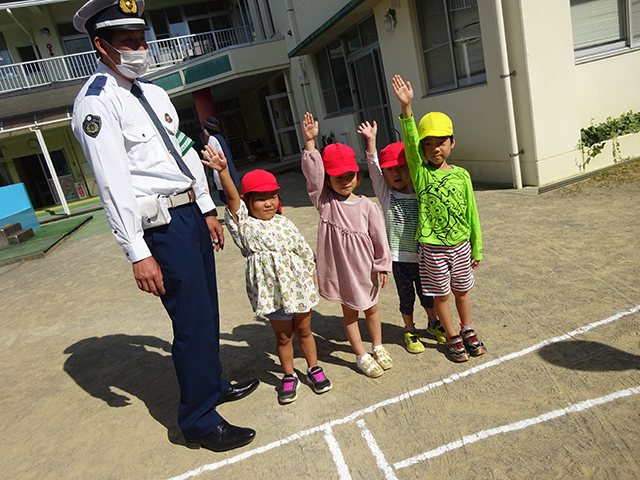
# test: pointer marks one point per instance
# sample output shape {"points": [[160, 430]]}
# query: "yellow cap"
{"points": [[435, 124]]}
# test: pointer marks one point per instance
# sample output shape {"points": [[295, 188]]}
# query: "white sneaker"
{"points": [[382, 357], [367, 365]]}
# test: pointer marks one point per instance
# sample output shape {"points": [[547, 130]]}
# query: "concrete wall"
{"points": [[478, 113]]}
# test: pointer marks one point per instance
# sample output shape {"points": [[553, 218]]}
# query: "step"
{"points": [[6, 231], [21, 236]]}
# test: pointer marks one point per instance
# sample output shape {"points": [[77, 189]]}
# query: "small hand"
{"points": [[217, 233], [309, 127], [384, 276], [403, 90], [368, 130], [475, 263], [213, 159], [149, 276]]}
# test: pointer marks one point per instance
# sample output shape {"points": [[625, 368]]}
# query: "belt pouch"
{"points": [[154, 211]]}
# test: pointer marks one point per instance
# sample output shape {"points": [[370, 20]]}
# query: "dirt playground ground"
{"points": [[89, 390]]}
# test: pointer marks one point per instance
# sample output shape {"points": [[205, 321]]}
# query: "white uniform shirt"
{"points": [[129, 157], [215, 144]]}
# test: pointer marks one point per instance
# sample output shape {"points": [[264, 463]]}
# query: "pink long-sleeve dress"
{"points": [[352, 241]]}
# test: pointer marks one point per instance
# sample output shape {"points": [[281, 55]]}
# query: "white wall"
{"points": [[478, 113]]}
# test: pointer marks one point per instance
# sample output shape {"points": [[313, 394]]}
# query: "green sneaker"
{"points": [[414, 345], [437, 331]]}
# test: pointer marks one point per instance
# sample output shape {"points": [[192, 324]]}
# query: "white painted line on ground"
{"points": [[336, 453], [481, 435], [404, 396], [377, 453]]}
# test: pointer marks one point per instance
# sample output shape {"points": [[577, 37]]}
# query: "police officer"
{"points": [[127, 129]]}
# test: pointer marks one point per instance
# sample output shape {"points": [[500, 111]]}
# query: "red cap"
{"points": [[259, 181], [339, 159], [393, 155]]}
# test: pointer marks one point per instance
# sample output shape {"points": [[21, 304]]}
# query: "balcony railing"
{"points": [[164, 53], [178, 49]]}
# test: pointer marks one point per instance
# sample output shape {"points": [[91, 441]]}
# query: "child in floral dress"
{"points": [[279, 269], [353, 251]]}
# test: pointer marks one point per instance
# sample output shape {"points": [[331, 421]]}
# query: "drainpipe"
{"points": [[33, 42], [52, 170], [306, 93], [503, 60]]}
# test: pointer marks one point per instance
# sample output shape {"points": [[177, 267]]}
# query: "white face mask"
{"points": [[133, 63]]}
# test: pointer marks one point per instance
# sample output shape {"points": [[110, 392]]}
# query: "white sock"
{"points": [[377, 347]]}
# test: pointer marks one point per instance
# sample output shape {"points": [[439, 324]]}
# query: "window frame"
{"points": [[458, 83], [628, 43], [334, 88]]}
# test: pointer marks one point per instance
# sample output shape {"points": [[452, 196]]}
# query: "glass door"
{"points": [[370, 94], [283, 125]]}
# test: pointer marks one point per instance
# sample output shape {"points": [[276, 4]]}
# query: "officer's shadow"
{"points": [[115, 368], [138, 365]]}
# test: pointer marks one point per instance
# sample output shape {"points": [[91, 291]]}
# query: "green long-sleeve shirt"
{"points": [[446, 206]]}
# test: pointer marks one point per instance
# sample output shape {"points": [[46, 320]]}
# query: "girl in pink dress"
{"points": [[353, 256]]}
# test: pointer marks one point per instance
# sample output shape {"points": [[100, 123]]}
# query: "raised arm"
{"points": [[310, 129], [404, 92], [369, 132], [218, 162]]}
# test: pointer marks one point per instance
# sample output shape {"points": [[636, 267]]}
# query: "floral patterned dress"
{"points": [[279, 263]]}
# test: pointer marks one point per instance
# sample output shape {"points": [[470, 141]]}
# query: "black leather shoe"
{"points": [[239, 390], [224, 437]]}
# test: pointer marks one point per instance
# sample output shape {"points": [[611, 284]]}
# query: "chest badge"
{"points": [[168, 118], [91, 125]]}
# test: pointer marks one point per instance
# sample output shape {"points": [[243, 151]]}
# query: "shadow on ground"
{"points": [[589, 356], [141, 365]]}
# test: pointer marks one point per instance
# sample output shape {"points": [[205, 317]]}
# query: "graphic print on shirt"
{"points": [[446, 208]]}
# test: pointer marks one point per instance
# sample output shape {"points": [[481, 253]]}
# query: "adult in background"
{"points": [[127, 129], [216, 140]]}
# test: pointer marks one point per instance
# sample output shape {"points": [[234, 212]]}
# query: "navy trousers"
{"points": [[184, 251]]}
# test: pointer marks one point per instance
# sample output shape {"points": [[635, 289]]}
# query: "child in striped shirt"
{"points": [[392, 185]]}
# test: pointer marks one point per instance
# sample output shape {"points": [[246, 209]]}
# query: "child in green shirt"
{"points": [[448, 225]]}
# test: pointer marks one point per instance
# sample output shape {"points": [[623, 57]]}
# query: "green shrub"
{"points": [[593, 138]]}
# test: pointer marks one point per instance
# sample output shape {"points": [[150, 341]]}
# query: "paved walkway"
{"points": [[90, 392]]}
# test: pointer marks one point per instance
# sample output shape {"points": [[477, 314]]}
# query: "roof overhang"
{"points": [[27, 3], [21, 125], [340, 22]]}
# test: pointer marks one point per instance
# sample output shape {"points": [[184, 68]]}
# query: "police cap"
{"points": [[100, 15]]}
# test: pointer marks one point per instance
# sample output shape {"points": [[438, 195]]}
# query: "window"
{"points": [[451, 44], [5, 174], [73, 41], [602, 26], [334, 80], [5, 55]]}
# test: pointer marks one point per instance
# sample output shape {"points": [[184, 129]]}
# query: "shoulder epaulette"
{"points": [[97, 85], [144, 80]]}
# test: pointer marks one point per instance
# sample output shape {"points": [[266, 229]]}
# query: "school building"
{"points": [[518, 78]]}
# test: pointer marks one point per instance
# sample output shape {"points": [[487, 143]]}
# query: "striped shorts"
{"points": [[443, 269]]}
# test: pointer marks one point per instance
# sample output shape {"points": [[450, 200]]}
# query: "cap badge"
{"points": [[168, 118], [91, 125], [128, 6]]}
